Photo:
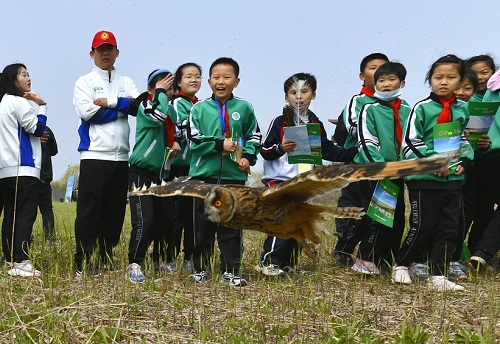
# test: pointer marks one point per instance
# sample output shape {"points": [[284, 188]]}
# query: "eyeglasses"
{"points": [[190, 77]]}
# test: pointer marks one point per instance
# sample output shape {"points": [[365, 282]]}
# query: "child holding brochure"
{"points": [[280, 256], [380, 131], [435, 126]]}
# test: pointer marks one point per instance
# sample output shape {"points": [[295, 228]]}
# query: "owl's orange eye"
{"points": [[218, 204]]}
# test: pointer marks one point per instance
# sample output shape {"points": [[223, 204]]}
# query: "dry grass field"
{"points": [[321, 303]]}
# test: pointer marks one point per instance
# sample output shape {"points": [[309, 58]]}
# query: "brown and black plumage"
{"points": [[283, 210]]}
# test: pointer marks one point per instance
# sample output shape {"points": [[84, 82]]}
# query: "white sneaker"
{"points": [[441, 283], [23, 269], [400, 275], [270, 269]]}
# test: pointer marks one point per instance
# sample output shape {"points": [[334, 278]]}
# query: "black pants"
{"points": [[100, 210], [20, 208], [45, 206], [489, 242], [281, 252], [351, 237], [151, 218], [380, 243], [344, 200], [434, 220], [182, 219], [484, 200], [230, 241]]}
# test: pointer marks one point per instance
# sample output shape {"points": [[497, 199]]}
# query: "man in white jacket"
{"points": [[102, 100]]}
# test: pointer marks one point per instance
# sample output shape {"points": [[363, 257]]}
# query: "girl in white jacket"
{"points": [[21, 127]]}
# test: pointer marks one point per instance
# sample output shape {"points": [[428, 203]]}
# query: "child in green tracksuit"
{"points": [[187, 83], [435, 199], [380, 131], [217, 125], [348, 241], [155, 136]]}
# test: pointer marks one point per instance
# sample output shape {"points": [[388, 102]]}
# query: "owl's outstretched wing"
{"points": [[325, 179], [183, 186]]}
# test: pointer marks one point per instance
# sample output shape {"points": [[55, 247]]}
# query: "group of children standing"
{"points": [[442, 205], [177, 135]]}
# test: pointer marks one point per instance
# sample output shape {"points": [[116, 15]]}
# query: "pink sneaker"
{"points": [[365, 267]]}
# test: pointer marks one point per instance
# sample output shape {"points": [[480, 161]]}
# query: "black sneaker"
{"points": [[479, 261], [90, 272], [343, 259]]}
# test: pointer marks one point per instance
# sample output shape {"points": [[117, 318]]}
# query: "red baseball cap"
{"points": [[103, 37]]}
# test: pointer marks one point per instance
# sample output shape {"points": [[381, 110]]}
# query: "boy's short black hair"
{"points": [[307, 77], [371, 57], [388, 68], [226, 61], [481, 58], [472, 76]]}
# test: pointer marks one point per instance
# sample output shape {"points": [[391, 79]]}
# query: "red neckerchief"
{"points": [[169, 128], [399, 129], [367, 91], [445, 115], [193, 99]]}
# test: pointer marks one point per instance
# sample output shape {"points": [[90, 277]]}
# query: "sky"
{"points": [[271, 40]]}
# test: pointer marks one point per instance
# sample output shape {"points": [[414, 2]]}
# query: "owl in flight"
{"points": [[284, 210]]}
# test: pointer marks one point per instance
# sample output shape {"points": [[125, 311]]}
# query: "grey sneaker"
{"points": [[233, 280], [169, 267], [188, 265], [455, 272], [419, 271]]}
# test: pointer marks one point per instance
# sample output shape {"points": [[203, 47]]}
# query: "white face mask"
{"points": [[387, 96]]}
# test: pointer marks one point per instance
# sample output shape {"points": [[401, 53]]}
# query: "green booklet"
{"points": [[481, 117], [383, 203], [447, 140], [308, 139]]}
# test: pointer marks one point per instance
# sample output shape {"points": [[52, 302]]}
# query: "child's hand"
{"points": [[166, 82], [102, 102], [34, 97], [466, 133], [288, 145], [244, 165], [45, 137], [484, 142], [443, 173], [176, 148], [460, 170], [229, 145]]}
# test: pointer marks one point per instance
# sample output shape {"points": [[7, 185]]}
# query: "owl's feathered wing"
{"points": [[182, 186], [325, 179]]}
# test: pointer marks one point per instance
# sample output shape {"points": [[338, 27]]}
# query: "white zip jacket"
{"points": [[20, 129], [104, 132]]}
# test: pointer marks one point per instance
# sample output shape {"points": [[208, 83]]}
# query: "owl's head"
{"points": [[220, 204]]}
